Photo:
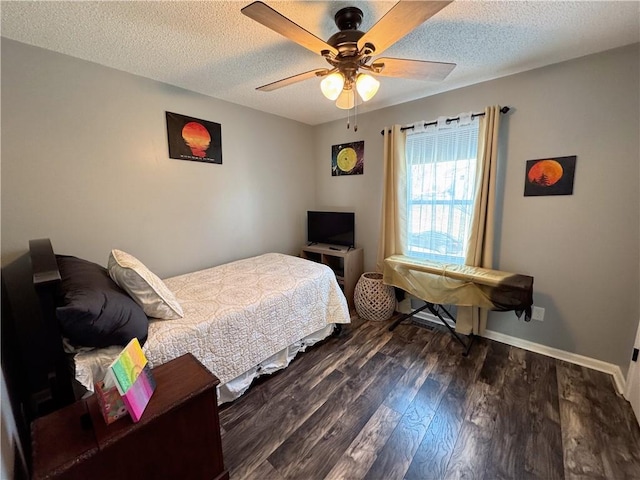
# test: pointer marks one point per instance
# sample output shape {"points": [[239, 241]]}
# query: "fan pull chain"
{"points": [[355, 112], [348, 115]]}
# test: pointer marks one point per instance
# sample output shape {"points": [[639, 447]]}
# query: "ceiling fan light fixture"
{"points": [[367, 86], [346, 100], [350, 50], [332, 85]]}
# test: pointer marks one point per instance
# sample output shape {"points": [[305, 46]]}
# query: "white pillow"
{"points": [[143, 286]]}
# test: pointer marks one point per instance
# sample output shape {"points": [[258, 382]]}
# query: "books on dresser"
{"points": [[131, 375]]}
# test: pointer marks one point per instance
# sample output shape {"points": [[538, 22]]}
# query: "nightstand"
{"points": [[178, 435]]}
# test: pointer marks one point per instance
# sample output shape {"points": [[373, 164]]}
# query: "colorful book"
{"points": [[110, 401], [132, 377]]}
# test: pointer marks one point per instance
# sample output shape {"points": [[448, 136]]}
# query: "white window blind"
{"points": [[441, 169]]}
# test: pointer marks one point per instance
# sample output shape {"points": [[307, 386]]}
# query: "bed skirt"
{"points": [[90, 366]]}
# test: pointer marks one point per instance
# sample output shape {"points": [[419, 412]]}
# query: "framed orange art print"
{"points": [[550, 176], [194, 139]]}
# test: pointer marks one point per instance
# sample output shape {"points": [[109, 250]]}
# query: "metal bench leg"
{"points": [[469, 342], [405, 316]]}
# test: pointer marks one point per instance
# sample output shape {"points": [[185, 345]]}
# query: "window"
{"points": [[441, 170]]}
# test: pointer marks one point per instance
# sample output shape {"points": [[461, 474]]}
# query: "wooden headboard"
{"points": [[40, 371]]}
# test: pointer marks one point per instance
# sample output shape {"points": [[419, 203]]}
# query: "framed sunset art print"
{"points": [[550, 176], [194, 139]]}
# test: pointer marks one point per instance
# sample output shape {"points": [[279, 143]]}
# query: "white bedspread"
{"points": [[237, 315]]}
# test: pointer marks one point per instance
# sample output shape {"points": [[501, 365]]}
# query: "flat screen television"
{"points": [[333, 228]]}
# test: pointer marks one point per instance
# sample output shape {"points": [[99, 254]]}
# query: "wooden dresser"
{"points": [[178, 435]]}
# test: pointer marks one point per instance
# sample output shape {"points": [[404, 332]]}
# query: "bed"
{"points": [[240, 320]]}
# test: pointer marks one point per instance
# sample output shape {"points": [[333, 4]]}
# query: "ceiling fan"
{"points": [[349, 51]]}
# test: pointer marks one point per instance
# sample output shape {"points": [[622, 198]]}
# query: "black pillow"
{"points": [[93, 310]]}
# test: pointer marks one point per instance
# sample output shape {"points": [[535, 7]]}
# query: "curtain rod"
{"points": [[454, 119]]}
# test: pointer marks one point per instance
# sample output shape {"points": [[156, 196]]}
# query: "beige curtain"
{"points": [[394, 202], [480, 246]]}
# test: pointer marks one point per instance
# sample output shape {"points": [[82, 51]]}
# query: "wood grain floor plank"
{"points": [[434, 452], [352, 350], [244, 407], [363, 451], [406, 343], [493, 369], [262, 391], [321, 362], [302, 441], [501, 413], [394, 458], [264, 471], [370, 346], [472, 448], [582, 452], [507, 451], [250, 443], [620, 458], [407, 388], [305, 375], [332, 445], [543, 452]]}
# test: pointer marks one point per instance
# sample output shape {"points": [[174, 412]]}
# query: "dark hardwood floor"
{"points": [[373, 404]]}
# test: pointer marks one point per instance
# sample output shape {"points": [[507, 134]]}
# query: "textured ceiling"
{"points": [[211, 48]]}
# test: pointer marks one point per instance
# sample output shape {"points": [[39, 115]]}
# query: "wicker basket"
{"points": [[373, 299]]}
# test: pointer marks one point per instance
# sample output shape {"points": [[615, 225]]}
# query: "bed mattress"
{"points": [[239, 317]]}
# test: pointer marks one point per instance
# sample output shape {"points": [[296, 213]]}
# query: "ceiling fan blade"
{"points": [[277, 22], [294, 79], [417, 69], [397, 22]]}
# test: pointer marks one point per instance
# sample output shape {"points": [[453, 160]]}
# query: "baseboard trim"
{"points": [[429, 317], [599, 365], [613, 370]]}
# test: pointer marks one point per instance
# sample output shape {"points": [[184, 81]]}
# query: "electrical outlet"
{"points": [[538, 314]]}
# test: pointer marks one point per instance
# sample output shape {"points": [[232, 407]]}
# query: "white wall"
{"points": [[85, 163], [583, 249]]}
